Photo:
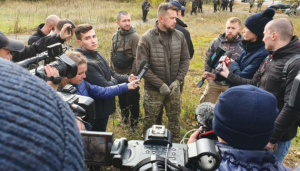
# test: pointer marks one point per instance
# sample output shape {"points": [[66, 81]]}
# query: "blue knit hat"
{"points": [[257, 22], [245, 117], [38, 130]]}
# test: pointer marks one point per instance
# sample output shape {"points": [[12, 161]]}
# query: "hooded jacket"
{"points": [[127, 43], [99, 73], [269, 78]]}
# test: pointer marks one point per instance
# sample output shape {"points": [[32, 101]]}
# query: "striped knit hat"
{"points": [[38, 130]]}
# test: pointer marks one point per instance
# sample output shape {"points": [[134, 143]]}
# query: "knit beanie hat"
{"points": [[245, 117], [38, 130], [257, 22]]}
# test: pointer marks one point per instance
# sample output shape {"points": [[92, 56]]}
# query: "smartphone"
{"points": [[69, 29]]}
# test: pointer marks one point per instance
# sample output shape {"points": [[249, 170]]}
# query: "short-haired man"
{"points": [[44, 29], [229, 41], [244, 123], [279, 40], [21, 52], [165, 49], [125, 41], [98, 73], [61, 23]]}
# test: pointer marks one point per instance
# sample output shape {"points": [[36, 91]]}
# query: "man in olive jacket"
{"points": [[125, 41], [167, 53]]}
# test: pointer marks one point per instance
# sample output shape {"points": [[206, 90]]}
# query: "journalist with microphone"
{"points": [[254, 48], [166, 50], [283, 46]]}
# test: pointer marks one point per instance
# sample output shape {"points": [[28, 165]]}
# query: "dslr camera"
{"points": [[156, 152], [56, 58]]}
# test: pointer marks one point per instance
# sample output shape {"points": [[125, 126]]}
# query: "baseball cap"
{"points": [[178, 5], [10, 44]]}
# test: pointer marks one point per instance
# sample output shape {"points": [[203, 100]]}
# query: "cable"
{"points": [[183, 139]]}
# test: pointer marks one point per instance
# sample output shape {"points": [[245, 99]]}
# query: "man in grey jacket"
{"points": [[166, 51]]}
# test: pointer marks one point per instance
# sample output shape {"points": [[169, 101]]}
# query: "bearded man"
{"points": [[228, 41], [167, 53]]}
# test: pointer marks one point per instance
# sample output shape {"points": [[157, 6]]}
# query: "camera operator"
{"points": [[21, 52], [38, 130], [244, 127]]}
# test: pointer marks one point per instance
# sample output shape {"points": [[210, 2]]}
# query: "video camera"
{"points": [[82, 106], [156, 152], [65, 66]]}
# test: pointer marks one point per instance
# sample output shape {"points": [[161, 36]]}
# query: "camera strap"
{"points": [[54, 79]]}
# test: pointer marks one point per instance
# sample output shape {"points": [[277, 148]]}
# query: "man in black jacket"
{"points": [[180, 26], [44, 29], [279, 40], [21, 52], [98, 73]]}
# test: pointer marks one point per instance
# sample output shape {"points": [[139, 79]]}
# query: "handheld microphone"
{"points": [[227, 60], [142, 64], [144, 70]]}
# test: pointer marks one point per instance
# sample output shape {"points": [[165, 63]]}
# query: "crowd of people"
{"points": [[252, 119]]}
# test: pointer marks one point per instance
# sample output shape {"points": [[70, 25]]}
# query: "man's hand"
{"points": [[133, 84], [132, 78], [51, 71], [209, 76], [64, 33], [174, 85], [164, 89], [270, 146], [194, 136], [225, 71]]}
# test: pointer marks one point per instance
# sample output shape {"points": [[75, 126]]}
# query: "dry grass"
{"points": [[17, 17]]}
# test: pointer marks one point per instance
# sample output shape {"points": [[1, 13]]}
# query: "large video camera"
{"points": [[55, 57], [156, 152], [82, 106]]}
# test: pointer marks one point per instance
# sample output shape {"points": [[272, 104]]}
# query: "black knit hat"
{"points": [[38, 130], [245, 117], [257, 22]]}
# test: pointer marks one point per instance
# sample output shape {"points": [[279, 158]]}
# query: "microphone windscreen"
{"points": [[228, 53], [142, 64], [205, 114]]}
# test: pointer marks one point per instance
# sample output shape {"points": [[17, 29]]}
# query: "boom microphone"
{"points": [[144, 70], [142, 64]]}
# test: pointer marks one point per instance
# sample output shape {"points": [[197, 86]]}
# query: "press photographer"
{"points": [[244, 127], [21, 52]]}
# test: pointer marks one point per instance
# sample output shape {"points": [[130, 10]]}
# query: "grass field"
{"points": [[22, 17]]}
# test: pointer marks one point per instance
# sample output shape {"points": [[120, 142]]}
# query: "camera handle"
{"points": [[154, 159]]}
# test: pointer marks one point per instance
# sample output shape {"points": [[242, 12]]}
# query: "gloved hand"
{"points": [[174, 85], [164, 89]]}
